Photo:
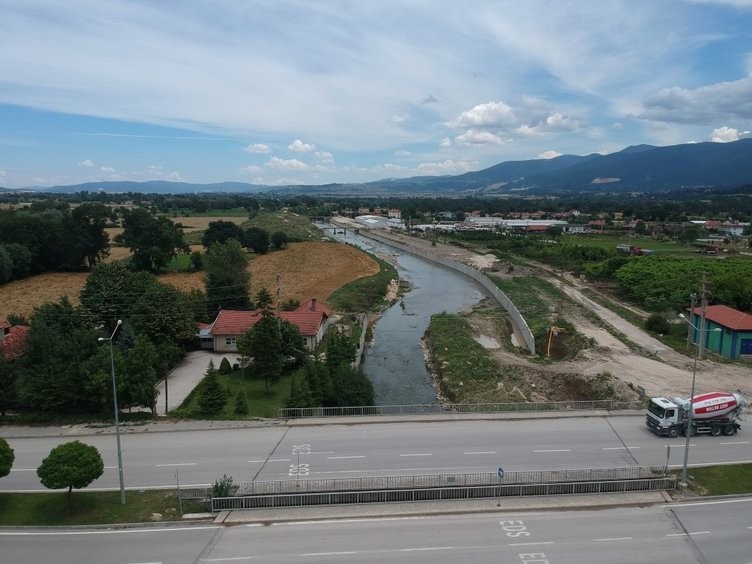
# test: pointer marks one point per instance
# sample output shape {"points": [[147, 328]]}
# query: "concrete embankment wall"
{"points": [[479, 277]]}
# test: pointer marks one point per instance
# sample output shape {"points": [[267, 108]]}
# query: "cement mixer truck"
{"points": [[715, 413]]}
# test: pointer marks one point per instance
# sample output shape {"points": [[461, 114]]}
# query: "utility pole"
{"points": [[693, 301], [279, 319], [704, 305]]}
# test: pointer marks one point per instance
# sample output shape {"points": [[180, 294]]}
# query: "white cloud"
{"points": [[549, 155], [251, 169], [475, 137], [617, 125], [257, 148], [490, 114], [400, 118], [445, 144], [725, 134], [285, 165], [446, 167], [107, 169], [3, 174], [723, 100], [325, 157], [86, 163], [298, 146], [402, 153]]}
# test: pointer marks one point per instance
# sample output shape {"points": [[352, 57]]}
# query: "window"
{"points": [[231, 341]]}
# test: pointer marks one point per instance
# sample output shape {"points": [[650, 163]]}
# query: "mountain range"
{"points": [[639, 168]]}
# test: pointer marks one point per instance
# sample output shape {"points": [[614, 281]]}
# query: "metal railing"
{"points": [[443, 480], [424, 409], [442, 493]]}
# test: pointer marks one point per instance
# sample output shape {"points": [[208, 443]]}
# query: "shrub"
{"points": [[224, 366], [656, 323]]}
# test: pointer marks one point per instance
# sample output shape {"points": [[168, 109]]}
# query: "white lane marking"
{"points": [[417, 454], [319, 452], [178, 464], [156, 562], [555, 450], [530, 543], [392, 470], [25, 469], [270, 460], [102, 532], [341, 553], [688, 534], [426, 548], [743, 500], [480, 452], [344, 457], [621, 448], [736, 443], [230, 559], [612, 539]]}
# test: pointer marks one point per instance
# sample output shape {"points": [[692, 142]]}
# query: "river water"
{"points": [[394, 362]]}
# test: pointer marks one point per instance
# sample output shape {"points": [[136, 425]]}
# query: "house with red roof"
{"points": [[311, 318], [734, 340], [12, 340]]}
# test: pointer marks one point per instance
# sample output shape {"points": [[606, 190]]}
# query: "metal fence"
{"points": [[476, 275], [444, 480], [442, 493], [424, 409]]}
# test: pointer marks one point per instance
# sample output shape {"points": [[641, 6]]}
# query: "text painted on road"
{"points": [[516, 528]]}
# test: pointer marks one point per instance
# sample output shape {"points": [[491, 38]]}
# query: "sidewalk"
{"points": [[428, 508]]}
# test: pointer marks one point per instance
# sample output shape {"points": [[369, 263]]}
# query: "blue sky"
{"points": [[286, 91]]}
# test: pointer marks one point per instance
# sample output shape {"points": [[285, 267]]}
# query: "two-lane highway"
{"points": [[332, 451]]}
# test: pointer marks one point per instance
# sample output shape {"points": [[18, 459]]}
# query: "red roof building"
{"points": [[12, 340], [727, 331], [312, 319]]}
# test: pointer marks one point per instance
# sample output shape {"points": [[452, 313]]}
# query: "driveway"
{"points": [[185, 376]]}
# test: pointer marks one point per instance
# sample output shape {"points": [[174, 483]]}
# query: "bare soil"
{"points": [[306, 270]]}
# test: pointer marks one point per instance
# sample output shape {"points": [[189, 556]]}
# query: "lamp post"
{"points": [[688, 432], [117, 417]]}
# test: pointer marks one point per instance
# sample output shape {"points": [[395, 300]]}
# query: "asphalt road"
{"points": [[708, 532], [333, 451]]}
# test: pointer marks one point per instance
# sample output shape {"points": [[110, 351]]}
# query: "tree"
{"points": [[110, 292], [241, 404], [8, 376], [212, 395], [351, 387], [256, 239], [21, 257], [340, 350], [89, 243], [263, 344], [300, 393], [161, 312], [6, 266], [279, 239], [7, 456], [58, 344], [137, 385], [294, 348], [70, 465], [220, 232], [154, 241], [227, 278], [264, 299], [224, 366]]}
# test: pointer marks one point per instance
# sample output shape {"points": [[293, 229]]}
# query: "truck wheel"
{"points": [[715, 430], [729, 430], [672, 433]]}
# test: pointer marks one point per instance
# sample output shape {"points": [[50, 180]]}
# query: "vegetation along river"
{"points": [[394, 362]]}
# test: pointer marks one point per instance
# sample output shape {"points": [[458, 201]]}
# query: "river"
{"points": [[394, 362]]}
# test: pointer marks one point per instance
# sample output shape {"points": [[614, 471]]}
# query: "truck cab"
{"points": [[663, 416]]}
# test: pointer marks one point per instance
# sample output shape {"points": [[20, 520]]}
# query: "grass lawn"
{"points": [[260, 404], [609, 242], [721, 480], [91, 508], [297, 227]]}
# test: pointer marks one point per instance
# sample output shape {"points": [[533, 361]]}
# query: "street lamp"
{"points": [[117, 417], [688, 431]]}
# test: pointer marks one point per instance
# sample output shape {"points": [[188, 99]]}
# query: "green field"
{"points": [[610, 242]]}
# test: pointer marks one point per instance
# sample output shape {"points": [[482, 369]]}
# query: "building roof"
{"points": [[727, 317], [234, 322], [308, 318], [13, 343]]}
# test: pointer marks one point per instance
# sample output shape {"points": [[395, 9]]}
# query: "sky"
{"points": [[283, 92]]}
